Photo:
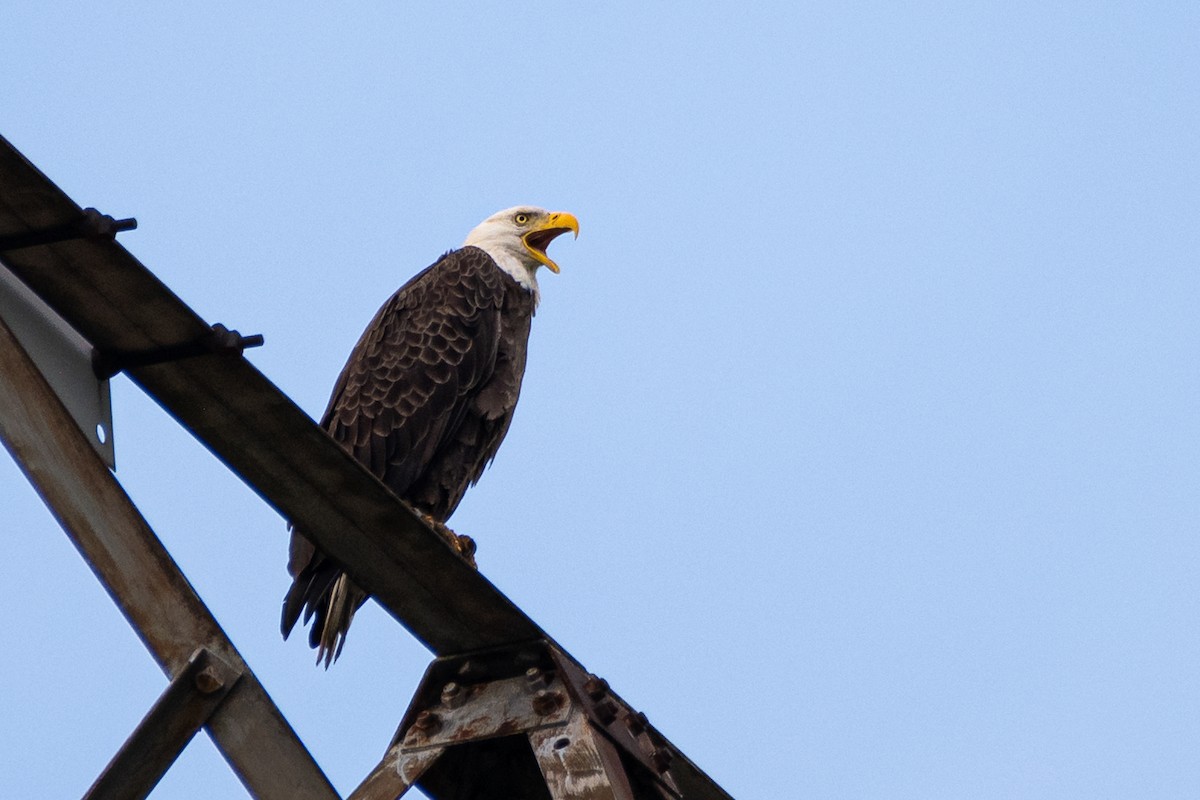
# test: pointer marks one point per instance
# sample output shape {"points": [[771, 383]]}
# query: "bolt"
{"points": [[453, 695], [606, 711], [662, 758], [595, 687], [535, 677], [207, 681], [545, 703], [427, 723], [103, 226]]}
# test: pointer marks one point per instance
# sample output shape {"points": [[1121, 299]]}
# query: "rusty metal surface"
{"points": [[187, 702], [631, 731], [508, 706], [396, 773], [578, 763], [496, 708], [142, 579], [532, 687], [470, 672]]}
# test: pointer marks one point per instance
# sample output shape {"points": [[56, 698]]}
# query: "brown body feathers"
{"points": [[423, 402]]}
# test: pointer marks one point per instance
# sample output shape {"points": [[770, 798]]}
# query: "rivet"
{"points": [[207, 681]]}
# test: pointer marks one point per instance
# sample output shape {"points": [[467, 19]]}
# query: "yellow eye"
{"points": [[521, 219]]}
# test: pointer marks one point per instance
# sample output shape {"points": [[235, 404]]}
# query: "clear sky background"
{"points": [[858, 445]]}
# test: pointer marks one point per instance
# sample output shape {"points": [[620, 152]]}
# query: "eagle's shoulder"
{"points": [[468, 273], [434, 340]]}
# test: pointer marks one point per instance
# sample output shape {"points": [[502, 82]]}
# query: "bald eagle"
{"points": [[428, 393]]}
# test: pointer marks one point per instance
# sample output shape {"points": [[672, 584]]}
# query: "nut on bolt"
{"points": [[536, 677], [546, 702], [207, 681], [427, 723], [595, 688], [453, 695], [636, 723], [606, 711], [662, 758]]}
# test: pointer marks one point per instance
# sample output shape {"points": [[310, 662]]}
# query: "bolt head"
{"points": [[546, 702], [207, 681], [595, 688], [606, 711], [427, 722], [662, 758], [453, 695], [537, 677]]}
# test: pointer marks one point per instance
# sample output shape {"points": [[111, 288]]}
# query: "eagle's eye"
{"points": [[521, 219]]}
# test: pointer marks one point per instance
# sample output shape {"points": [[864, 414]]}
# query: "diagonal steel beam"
{"points": [[98, 287], [143, 580], [184, 706], [259, 433]]}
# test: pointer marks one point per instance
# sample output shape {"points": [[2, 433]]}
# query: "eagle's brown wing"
{"points": [[423, 402]]}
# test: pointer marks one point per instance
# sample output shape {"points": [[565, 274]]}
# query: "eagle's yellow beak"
{"points": [[544, 232]]}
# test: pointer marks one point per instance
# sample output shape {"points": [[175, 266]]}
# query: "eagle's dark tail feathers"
{"points": [[322, 591]]}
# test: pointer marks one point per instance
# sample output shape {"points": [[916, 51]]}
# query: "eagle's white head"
{"points": [[517, 238]]}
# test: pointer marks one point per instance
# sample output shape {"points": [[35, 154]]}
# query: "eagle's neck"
{"points": [[520, 269]]}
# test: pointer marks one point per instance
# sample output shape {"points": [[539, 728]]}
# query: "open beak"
{"points": [[538, 239]]}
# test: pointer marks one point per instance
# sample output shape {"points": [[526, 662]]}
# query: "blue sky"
{"points": [[858, 445]]}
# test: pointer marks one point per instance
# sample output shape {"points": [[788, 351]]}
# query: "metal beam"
{"points": [[64, 357], [188, 701], [578, 763], [396, 773], [527, 721], [121, 308], [261, 435], [143, 580]]}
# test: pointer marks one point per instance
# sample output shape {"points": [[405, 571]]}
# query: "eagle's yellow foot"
{"points": [[463, 545]]}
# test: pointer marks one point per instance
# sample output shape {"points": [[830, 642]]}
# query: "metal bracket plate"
{"points": [[587, 742], [64, 358]]}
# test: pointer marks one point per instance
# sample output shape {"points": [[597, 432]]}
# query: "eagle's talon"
{"points": [[463, 545], [466, 548], [440, 527]]}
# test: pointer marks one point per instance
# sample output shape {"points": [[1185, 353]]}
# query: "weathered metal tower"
{"points": [[502, 711]]}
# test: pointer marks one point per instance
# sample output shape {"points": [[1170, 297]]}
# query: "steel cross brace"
{"points": [[182, 709], [521, 722], [153, 594]]}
